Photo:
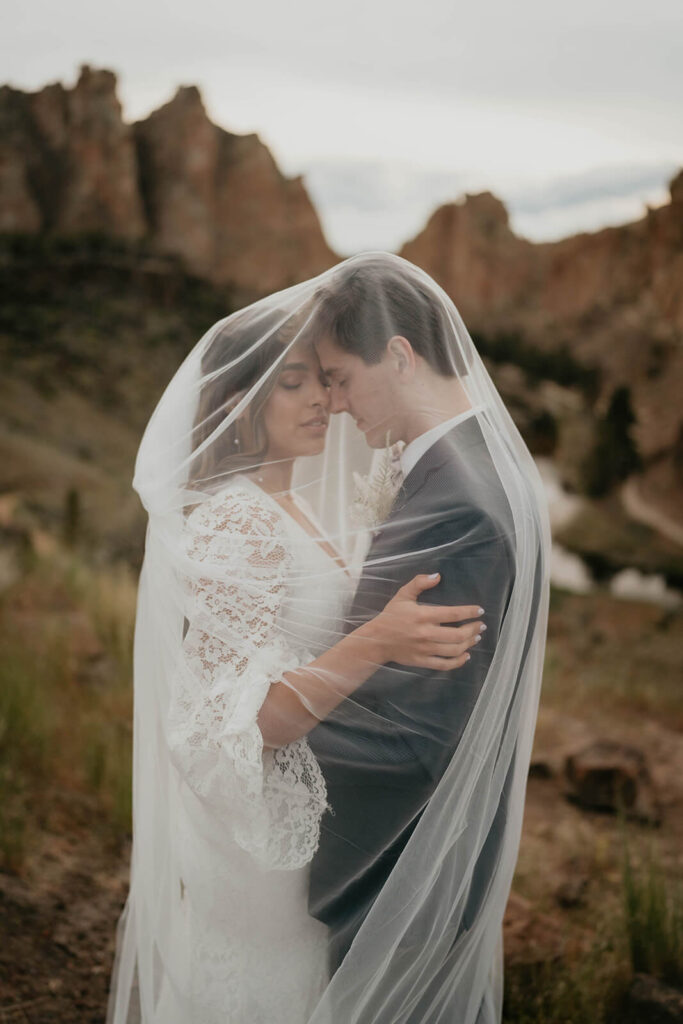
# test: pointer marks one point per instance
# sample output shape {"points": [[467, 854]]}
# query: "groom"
{"points": [[382, 344]]}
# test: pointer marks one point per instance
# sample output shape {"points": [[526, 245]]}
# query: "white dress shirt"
{"points": [[414, 451]]}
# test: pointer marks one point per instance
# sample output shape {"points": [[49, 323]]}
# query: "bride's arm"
{"points": [[405, 632], [236, 656]]}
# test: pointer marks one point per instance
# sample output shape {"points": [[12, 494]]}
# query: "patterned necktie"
{"points": [[396, 470]]}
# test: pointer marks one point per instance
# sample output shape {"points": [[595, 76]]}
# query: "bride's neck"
{"points": [[276, 476]]}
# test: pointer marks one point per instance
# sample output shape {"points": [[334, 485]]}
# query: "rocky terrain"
{"points": [[613, 299], [610, 729], [69, 165], [592, 314], [119, 244]]}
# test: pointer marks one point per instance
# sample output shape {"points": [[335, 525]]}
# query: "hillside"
{"points": [[119, 246], [611, 300], [121, 243], [91, 332]]}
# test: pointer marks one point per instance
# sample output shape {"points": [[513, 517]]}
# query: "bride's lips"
{"points": [[318, 423]]}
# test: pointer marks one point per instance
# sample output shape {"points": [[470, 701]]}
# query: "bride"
{"points": [[242, 647]]}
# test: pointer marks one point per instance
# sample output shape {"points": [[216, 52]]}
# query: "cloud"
{"points": [[375, 204], [390, 110]]}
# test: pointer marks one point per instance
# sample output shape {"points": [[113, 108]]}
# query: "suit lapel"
{"points": [[448, 448], [411, 507]]}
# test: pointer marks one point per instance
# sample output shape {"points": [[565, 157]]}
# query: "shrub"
{"points": [[614, 456], [653, 918]]}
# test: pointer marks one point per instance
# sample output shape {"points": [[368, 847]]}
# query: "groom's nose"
{"points": [[337, 402]]}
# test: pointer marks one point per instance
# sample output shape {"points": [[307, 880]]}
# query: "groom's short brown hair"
{"points": [[366, 304]]}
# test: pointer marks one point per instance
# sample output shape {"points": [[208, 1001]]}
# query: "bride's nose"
{"points": [[321, 396]]}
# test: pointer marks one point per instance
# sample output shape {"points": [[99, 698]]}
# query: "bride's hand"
{"points": [[410, 633]]}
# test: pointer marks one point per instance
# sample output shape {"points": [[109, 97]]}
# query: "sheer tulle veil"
{"points": [[444, 755]]}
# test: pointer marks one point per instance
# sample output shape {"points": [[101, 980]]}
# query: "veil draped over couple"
{"points": [[330, 753]]}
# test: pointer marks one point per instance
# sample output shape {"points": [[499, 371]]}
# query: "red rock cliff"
{"points": [[69, 164]]}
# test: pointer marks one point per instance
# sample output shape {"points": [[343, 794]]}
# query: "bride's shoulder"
{"points": [[240, 506]]}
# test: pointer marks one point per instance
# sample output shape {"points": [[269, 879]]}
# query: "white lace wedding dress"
{"points": [[248, 819]]}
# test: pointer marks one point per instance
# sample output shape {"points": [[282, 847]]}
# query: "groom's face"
{"points": [[366, 391]]}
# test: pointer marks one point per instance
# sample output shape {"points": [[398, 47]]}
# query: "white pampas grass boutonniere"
{"points": [[375, 492]]}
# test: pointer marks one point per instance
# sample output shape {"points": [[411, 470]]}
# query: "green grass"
{"points": [[27, 732], [66, 728], [61, 729], [642, 932], [585, 990], [653, 917]]}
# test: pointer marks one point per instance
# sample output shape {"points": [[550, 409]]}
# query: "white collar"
{"points": [[413, 452]]}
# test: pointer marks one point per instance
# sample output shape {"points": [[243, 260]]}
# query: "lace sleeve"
{"points": [[237, 567]]}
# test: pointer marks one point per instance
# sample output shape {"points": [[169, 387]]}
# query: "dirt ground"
{"points": [[58, 918], [57, 921]]}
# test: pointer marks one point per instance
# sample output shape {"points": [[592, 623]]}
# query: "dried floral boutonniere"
{"points": [[375, 493]]}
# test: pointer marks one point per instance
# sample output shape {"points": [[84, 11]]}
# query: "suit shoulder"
{"points": [[470, 526]]}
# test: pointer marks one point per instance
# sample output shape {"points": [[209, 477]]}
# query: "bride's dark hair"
{"points": [[364, 306], [235, 360]]}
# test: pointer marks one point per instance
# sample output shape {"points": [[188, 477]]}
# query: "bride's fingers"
{"points": [[443, 664], [423, 581], [450, 613], [468, 634], [447, 650]]}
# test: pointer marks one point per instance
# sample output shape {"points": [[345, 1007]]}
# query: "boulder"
{"points": [[608, 776], [652, 1001], [70, 165], [572, 892]]}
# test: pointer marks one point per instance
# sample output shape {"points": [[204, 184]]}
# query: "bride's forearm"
{"points": [[306, 695]]}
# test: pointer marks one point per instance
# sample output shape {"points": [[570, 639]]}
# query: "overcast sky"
{"points": [[570, 112]]}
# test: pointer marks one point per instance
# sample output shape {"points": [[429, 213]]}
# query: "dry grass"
{"points": [[65, 697], [636, 927], [653, 915], [610, 656], [66, 634]]}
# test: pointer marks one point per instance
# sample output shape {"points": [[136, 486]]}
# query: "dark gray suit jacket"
{"points": [[383, 751]]}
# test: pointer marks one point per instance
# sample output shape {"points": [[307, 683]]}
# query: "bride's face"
{"points": [[297, 413]]}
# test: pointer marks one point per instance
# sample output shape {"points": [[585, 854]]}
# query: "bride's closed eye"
{"points": [[292, 381]]}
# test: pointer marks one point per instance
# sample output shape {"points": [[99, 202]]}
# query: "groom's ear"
{"points": [[401, 354]]}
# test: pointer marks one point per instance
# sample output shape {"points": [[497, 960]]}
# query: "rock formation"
{"points": [[70, 165], [220, 202], [217, 201], [502, 281], [613, 297], [470, 249], [611, 776]]}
